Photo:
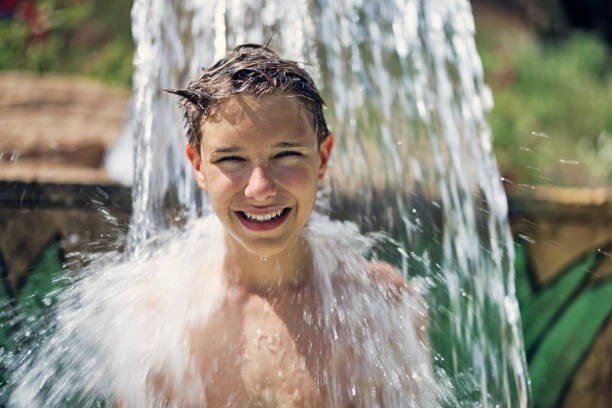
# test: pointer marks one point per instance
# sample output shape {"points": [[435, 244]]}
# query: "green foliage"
{"points": [[566, 343], [45, 277], [32, 302], [30, 310], [552, 122], [560, 322], [87, 37], [6, 315], [30, 307], [539, 309]]}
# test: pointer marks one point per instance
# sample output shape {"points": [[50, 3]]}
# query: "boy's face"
{"points": [[260, 162]]}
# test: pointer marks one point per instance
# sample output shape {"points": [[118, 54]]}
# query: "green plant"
{"points": [[561, 321], [83, 37], [551, 122]]}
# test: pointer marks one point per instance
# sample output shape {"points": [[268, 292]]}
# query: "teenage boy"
{"points": [[259, 145]]}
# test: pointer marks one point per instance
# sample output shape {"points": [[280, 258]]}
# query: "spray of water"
{"points": [[406, 101]]}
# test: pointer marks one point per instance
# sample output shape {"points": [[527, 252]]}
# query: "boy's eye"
{"points": [[228, 159], [288, 153]]}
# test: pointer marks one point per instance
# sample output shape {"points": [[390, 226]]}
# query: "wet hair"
{"points": [[249, 69]]}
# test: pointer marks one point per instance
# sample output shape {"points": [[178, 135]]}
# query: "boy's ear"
{"points": [[324, 152], [196, 161]]}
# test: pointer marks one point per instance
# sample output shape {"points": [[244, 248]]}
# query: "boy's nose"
{"points": [[260, 187]]}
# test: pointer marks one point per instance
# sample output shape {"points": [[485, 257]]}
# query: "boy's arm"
{"points": [[407, 293], [386, 274]]}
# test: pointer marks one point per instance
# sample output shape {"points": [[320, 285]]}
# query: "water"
{"points": [[406, 98], [123, 323]]}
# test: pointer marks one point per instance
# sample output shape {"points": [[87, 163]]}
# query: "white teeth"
{"points": [[262, 218]]}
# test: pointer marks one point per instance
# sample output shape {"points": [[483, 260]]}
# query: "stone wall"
{"points": [[35, 217], [564, 288]]}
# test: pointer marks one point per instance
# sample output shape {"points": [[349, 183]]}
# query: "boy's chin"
{"points": [[265, 250]]}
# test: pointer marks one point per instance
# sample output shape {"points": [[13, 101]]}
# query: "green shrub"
{"points": [[552, 121], [88, 37]]}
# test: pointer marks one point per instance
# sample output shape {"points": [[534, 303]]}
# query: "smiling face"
{"points": [[260, 162]]}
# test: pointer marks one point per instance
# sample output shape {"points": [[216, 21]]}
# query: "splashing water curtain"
{"points": [[406, 101]]}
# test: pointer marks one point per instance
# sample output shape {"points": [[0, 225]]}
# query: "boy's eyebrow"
{"points": [[227, 150], [289, 144], [234, 149]]}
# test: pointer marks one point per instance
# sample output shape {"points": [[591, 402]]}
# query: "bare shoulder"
{"points": [[384, 273]]}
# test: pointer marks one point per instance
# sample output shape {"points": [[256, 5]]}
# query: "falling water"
{"points": [[406, 101]]}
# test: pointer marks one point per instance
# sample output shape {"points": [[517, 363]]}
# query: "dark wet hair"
{"points": [[249, 69]]}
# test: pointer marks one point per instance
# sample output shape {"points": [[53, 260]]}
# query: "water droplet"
{"points": [[511, 309], [436, 22], [540, 134], [307, 316], [569, 162], [604, 253]]}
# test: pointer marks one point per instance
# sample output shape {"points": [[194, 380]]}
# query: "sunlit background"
{"points": [[547, 62]]}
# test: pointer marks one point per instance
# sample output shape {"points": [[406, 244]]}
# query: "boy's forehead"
{"points": [[266, 115], [248, 107]]}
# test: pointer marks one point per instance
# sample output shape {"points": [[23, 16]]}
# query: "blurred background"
{"points": [[548, 63], [65, 85]]}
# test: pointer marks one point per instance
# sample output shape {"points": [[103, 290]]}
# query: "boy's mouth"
{"points": [[263, 222]]}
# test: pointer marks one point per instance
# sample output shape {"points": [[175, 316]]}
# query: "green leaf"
{"points": [[45, 276], [524, 291], [538, 314], [6, 313], [566, 343]]}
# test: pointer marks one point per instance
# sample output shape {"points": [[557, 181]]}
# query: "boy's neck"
{"points": [[290, 269]]}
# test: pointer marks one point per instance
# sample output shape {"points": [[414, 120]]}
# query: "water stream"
{"points": [[406, 101]]}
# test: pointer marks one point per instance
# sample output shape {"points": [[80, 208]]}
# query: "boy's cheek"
{"points": [[223, 179], [294, 176], [223, 189]]}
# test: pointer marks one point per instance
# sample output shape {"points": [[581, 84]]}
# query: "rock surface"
{"points": [[56, 129]]}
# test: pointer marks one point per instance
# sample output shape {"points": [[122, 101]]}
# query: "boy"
{"points": [[259, 145]]}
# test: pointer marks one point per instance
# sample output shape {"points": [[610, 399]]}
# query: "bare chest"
{"points": [[257, 352]]}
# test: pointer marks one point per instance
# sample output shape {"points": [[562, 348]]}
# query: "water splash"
{"points": [[407, 102], [125, 330]]}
